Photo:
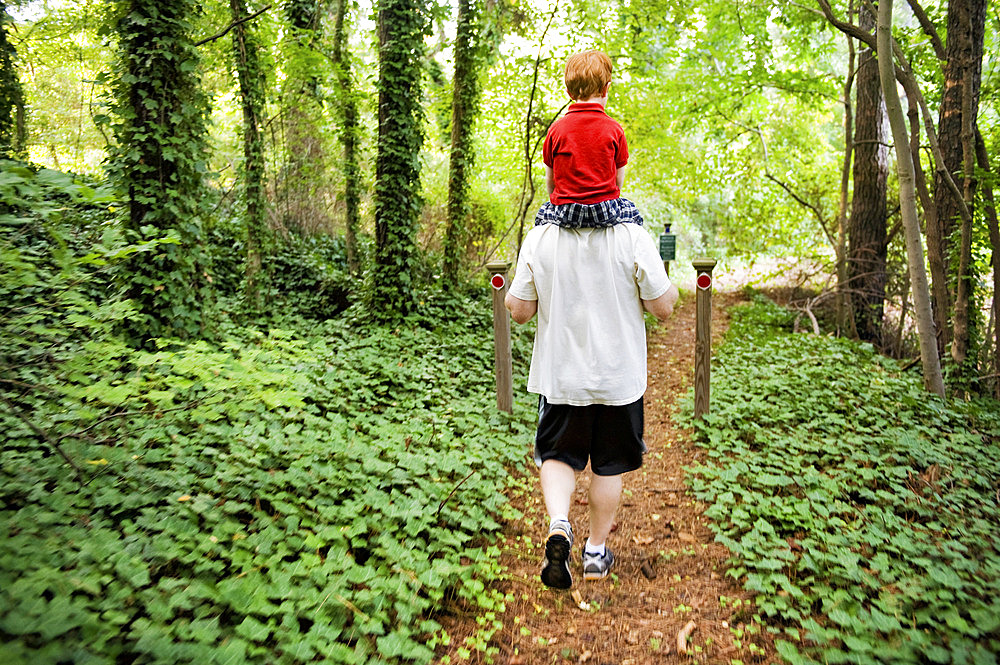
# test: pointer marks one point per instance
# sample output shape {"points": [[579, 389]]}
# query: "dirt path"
{"points": [[669, 572]]}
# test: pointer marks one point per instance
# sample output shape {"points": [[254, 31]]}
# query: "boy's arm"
{"points": [[520, 310], [620, 176], [550, 179]]}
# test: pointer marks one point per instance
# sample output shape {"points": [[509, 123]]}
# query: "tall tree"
{"points": [[303, 184], [160, 159], [12, 129], [251, 77], [464, 105], [350, 135], [933, 379], [401, 27], [867, 231], [956, 134]]}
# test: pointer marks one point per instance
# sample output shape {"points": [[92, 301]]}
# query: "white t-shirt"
{"points": [[591, 342]]}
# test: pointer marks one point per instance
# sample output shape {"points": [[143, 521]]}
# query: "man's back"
{"points": [[591, 346]]}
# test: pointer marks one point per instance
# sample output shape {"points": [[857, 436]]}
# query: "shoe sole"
{"points": [[596, 576], [555, 572]]}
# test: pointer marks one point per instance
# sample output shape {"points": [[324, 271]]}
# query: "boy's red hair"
{"points": [[587, 73]]}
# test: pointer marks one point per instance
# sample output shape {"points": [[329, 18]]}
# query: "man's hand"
{"points": [[663, 306], [521, 310]]}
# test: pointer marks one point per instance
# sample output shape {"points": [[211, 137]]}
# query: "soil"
{"points": [[668, 574]]}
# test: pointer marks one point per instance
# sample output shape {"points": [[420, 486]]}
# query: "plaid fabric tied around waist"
{"points": [[596, 215]]}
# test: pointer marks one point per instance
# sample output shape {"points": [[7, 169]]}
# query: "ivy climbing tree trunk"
{"points": [[843, 298], [464, 106], [304, 182], [350, 135], [867, 233], [159, 163], [401, 27], [252, 98], [12, 128], [933, 380]]}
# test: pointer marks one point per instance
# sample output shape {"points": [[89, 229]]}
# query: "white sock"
{"points": [[590, 548]]}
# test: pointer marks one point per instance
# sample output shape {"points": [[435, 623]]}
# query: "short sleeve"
{"points": [[621, 155], [523, 284], [650, 275]]}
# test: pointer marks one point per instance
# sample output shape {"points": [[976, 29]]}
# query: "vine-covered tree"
{"points": [[246, 57], [159, 163], [867, 229], [350, 136], [465, 102], [303, 178], [401, 28], [11, 96]]}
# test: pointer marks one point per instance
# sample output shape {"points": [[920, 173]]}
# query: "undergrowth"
{"points": [[862, 510], [317, 490]]}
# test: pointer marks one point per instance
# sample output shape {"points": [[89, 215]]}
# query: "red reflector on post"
{"points": [[497, 281], [704, 280]]}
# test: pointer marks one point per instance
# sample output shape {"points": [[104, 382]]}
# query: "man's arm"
{"points": [[663, 306], [521, 310]]}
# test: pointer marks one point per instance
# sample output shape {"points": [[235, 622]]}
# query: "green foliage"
{"points": [[321, 490], [402, 25], [159, 164], [861, 510]]}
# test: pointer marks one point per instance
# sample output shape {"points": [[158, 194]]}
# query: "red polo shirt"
{"points": [[585, 148]]}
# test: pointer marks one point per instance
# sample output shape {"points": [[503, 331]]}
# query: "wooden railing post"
{"points": [[703, 335], [501, 336]]}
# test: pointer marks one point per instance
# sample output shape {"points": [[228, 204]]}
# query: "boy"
{"points": [[585, 153]]}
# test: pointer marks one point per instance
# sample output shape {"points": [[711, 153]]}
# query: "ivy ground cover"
{"points": [[311, 491], [862, 510]]}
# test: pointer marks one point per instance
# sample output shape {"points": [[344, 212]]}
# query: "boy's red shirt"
{"points": [[585, 149]]}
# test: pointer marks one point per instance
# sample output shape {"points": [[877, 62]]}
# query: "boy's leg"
{"points": [[605, 493]]}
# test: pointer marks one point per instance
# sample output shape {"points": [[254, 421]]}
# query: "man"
{"points": [[589, 287]]}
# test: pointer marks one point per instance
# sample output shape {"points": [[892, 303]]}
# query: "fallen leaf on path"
{"points": [[640, 539], [585, 656]]}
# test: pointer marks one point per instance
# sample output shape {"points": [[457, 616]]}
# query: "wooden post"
{"points": [[501, 336], [703, 335]]}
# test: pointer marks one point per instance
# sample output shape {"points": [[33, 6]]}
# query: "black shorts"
{"points": [[610, 437]]}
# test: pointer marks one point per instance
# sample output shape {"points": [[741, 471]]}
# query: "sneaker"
{"points": [[596, 566], [558, 546]]}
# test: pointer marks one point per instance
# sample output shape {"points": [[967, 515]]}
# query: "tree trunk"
{"points": [[304, 183], [962, 69], [397, 164], [349, 139], [994, 233], [12, 130], [843, 298], [867, 232], [465, 100], [252, 86], [160, 163], [933, 380]]}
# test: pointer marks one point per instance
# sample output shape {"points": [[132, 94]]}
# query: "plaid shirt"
{"points": [[581, 216]]}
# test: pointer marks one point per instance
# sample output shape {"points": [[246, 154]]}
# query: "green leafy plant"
{"points": [[859, 509]]}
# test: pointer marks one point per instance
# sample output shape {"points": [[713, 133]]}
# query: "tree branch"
{"points": [[232, 25], [929, 29]]}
